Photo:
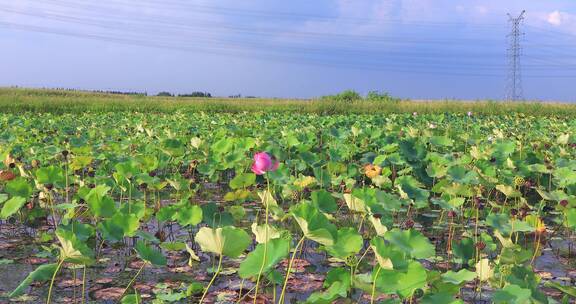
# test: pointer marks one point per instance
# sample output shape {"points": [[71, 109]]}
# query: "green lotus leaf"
{"points": [[571, 291], [504, 149], [380, 228], [509, 191], [80, 162], [463, 249], [262, 234], [402, 283], [571, 218], [82, 231], [212, 216], [72, 249], [238, 212], [243, 180], [100, 204], [147, 163], [188, 215], [150, 254], [565, 177], [50, 175], [323, 200], [348, 242], [354, 203], [500, 222], [440, 297], [314, 224], [458, 277], [119, 226], [18, 187], [173, 147], [389, 256], [411, 242], [410, 188], [441, 141], [338, 283], [459, 174], [41, 274], [12, 206], [131, 299], [512, 294], [228, 241], [277, 250], [173, 246]]}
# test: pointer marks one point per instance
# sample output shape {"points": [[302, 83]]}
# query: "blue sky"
{"points": [[420, 49]]}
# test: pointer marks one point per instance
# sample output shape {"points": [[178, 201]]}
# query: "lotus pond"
{"points": [[287, 208]]}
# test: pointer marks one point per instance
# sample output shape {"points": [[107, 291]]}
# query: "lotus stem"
{"points": [[537, 239], [74, 288], [243, 296], [265, 244], [212, 281], [133, 279], [54, 278], [84, 284], [374, 285], [290, 268]]}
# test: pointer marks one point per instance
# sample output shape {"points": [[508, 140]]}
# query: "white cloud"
{"points": [[555, 18], [562, 21], [481, 9]]}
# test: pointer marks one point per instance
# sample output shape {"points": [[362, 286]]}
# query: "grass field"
{"points": [[60, 101]]}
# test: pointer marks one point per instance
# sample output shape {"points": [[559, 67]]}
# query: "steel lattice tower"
{"points": [[514, 81]]}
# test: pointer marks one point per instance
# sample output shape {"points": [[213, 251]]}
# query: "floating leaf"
{"points": [[512, 294], [41, 274], [458, 277]]}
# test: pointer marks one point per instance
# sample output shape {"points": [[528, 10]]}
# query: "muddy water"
{"points": [[120, 265]]}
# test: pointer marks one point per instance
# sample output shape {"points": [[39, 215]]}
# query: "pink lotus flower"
{"points": [[469, 114], [263, 163]]}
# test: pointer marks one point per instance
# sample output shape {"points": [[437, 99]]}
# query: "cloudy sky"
{"points": [[298, 48]]}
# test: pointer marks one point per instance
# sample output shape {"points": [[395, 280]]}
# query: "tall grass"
{"points": [[61, 101]]}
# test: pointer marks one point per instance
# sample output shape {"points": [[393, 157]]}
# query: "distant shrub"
{"points": [[346, 96], [380, 96], [351, 96], [165, 94], [197, 94]]}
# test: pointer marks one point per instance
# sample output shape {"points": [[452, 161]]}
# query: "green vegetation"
{"points": [[397, 208], [61, 101]]}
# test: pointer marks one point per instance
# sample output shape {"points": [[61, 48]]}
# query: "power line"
{"points": [[346, 51], [236, 53], [169, 22], [275, 15], [443, 63]]}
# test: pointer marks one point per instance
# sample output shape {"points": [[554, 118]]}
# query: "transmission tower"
{"points": [[514, 82]]}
